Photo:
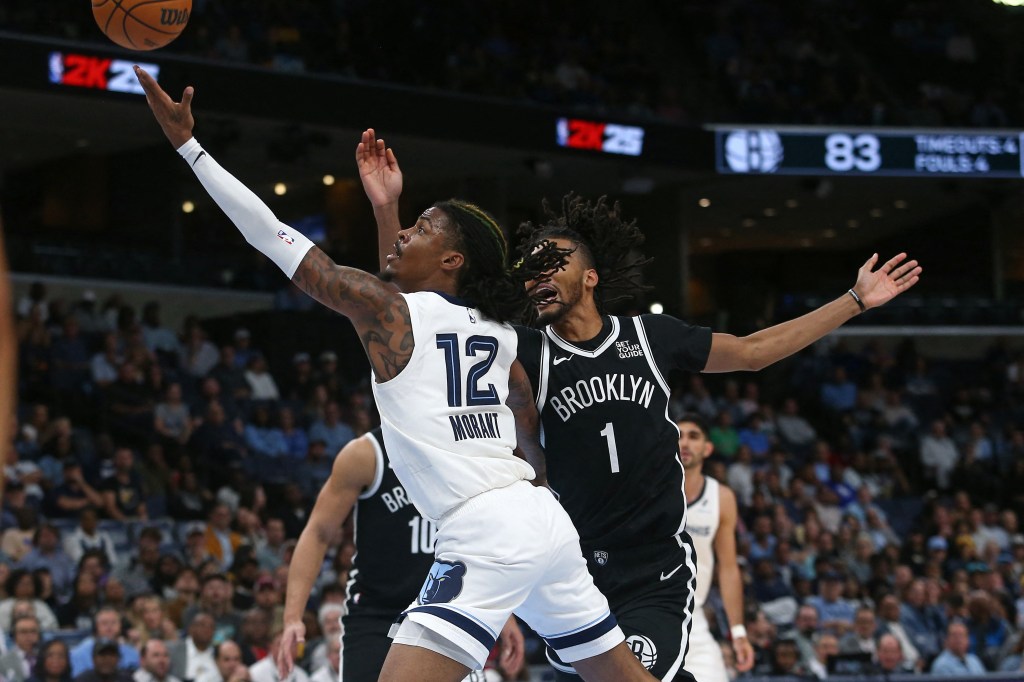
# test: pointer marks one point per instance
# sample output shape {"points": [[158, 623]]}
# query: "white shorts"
{"points": [[704, 658], [508, 550]]}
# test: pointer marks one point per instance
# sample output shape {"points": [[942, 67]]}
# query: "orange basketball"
{"points": [[141, 24]]}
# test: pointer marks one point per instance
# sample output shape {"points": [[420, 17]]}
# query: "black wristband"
{"points": [[860, 303]]}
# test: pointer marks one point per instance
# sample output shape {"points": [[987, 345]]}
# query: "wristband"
{"points": [[860, 303], [738, 631]]}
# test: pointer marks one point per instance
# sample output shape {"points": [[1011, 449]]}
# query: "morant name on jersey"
{"points": [[475, 425], [601, 389]]}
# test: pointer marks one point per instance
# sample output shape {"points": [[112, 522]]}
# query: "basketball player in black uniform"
{"points": [[394, 550], [601, 386]]}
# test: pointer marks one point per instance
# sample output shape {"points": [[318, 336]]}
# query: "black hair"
{"points": [[16, 576], [486, 279], [608, 243], [39, 669], [696, 419]]}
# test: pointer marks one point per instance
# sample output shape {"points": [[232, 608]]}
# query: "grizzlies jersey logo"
{"points": [[443, 583]]}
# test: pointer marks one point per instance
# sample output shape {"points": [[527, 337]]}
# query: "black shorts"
{"points": [[650, 590], [365, 643]]}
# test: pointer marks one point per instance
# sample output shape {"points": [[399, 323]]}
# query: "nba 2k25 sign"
{"points": [[97, 73], [610, 138]]}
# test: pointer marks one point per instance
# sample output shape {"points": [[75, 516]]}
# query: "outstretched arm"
{"points": [[379, 314], [353, 472], [382, 182], [874, 288], [520, 401], [729, 580]]}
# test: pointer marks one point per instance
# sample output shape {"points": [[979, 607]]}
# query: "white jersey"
{"points": [[702, 517], [448, 431]]}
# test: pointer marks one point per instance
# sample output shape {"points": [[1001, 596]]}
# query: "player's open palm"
{"points": [[877, 287], [378, 169], [175, 118], [293, 635]]}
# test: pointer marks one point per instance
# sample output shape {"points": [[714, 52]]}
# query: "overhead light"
{"points": [[900, 203], [792, 203], [770, 212], [704, 202], [187, 207], [657, 308], [748, 222], [1010, 3], [280, 189], [876, 213], [328, 179], [853, 223]]}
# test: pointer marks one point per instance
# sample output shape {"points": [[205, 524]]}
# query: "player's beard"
{"points": [[557, 311]]}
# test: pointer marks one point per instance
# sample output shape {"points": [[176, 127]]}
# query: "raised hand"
{"points": [[175, 118], [877, 287], [378, 169]]}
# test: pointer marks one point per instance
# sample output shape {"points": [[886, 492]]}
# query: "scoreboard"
{"points": [[903, 152]]}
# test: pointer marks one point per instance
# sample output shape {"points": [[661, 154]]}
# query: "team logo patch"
{"points": [[600, 557], [443, 583], [644, 650], [628, 349]]}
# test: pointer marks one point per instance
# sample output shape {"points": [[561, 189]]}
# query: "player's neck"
{"points": [[693, 484], [582, 323]]}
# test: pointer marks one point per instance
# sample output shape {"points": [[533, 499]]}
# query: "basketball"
{"points": [[141, 24]]}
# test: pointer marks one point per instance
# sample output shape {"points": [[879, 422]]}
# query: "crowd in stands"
{"points": [[868, 62], [157, 482]]}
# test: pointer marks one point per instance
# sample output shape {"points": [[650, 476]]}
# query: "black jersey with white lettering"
{"points": [[394, 544], [612, 450]]}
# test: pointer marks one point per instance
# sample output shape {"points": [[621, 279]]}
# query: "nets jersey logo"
{"points": [[600, 557], [644, 650], [444, 582]]}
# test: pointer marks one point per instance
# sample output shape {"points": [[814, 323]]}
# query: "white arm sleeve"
{"points": [[253, 218]]}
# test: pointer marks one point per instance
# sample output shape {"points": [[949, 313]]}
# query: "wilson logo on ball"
{"points": [[173, 17]]}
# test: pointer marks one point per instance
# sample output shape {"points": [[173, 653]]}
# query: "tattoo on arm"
{"points": [[380, 315]]}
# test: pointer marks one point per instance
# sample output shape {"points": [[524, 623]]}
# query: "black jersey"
{"points": [[394, 544], [612, 450]]}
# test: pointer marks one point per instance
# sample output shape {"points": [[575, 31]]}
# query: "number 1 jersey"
{"points": [[612, 449], [449, 433]]}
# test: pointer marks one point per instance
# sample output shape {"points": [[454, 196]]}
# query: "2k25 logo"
{"points": [[98, 73], [611, 138]]}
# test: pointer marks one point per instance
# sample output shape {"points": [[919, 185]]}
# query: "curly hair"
{"points": [[486, 279], [608, 244]]}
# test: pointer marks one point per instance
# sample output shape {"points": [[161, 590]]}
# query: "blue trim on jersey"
{"points": [[584, 636], [464, 623], [456, 300]]}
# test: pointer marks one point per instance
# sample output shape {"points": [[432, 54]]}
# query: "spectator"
{"points": [[105, 365], [107, 665], [87, 536], [230, 377], [786, 658], [294, 436], [840, 394], [53, 663], [835, 614], [939, 455], [16, 543], [331, 430], [139, 573], [890, 657], [18, 663], [955, 659], [192, 658], [159, 339], [244, 352], [261, 383], [73, 494], [70, 358], [270, 553], [262, 438], [754, 436], [228, 666], [215, 600], [35, 299], [316, 469], [804, 628], [299, 385], [826, 646], [218, 443], [330, 670], [155, 663], [80, 610], [129, 407], [794, 430], [741, 476], [23, 589], [987, 631], [122, 492], [221, 541], [197, 355], [724, 435], [47, 553], [922, 622], [106, 629], [254, 636], [862, 638], [171, 419], [328, 617]]}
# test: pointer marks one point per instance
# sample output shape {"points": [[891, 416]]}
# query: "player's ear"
{"points": [[590, 278], [709, 448], [452, 260]]}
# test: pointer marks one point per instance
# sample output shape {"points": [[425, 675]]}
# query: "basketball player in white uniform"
{"points": [[711, 522], [458, 419]]}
